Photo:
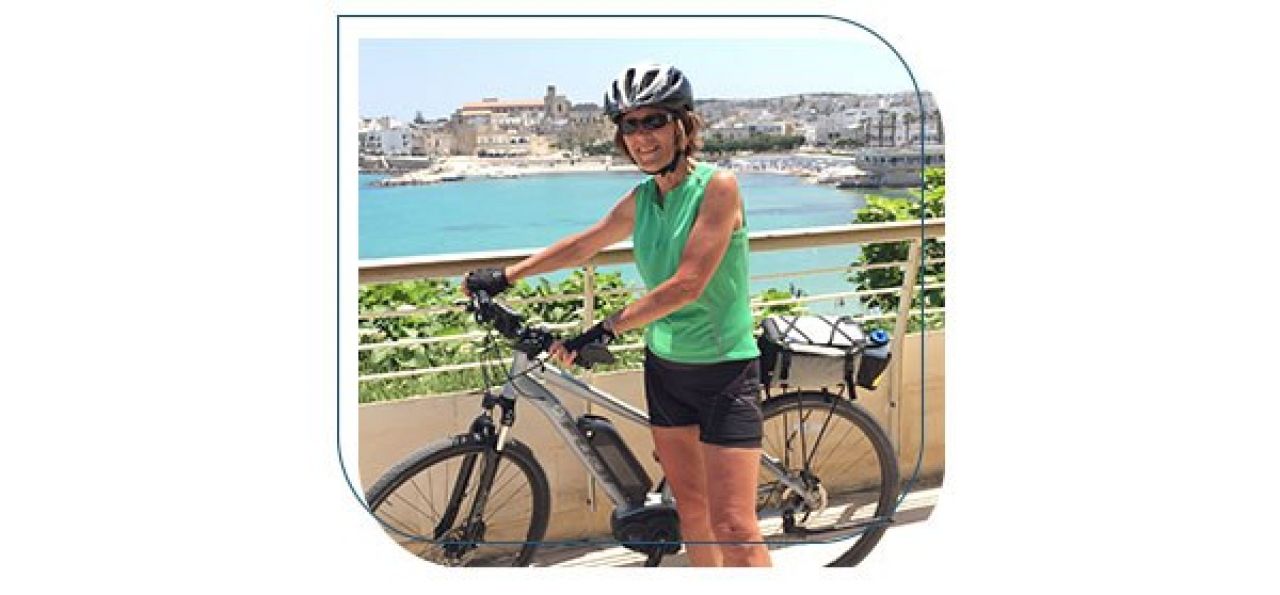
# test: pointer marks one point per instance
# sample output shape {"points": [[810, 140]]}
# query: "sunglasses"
{"points": [[649, 122]]}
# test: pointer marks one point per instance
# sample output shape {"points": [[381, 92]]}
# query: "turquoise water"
{"points": [[534, 211]]}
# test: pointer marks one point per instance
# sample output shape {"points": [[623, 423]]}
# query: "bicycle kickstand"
{"points": [[655, 558]]}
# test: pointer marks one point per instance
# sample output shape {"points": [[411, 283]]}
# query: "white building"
{"points": [[385, 136], [829, 130], [733, 131], [777, 128], [728, 131]]}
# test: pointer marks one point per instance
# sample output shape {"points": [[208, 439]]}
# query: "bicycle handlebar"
{"points": [[530, 340]]}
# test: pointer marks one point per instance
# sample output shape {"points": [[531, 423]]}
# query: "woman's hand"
{"points": [[491, 281], [600, 334], [562, 355]]}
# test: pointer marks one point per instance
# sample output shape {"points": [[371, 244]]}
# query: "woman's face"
{"points": [[650, 149]]}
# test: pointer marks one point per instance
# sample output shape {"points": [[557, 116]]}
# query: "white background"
{"points": [[169, 380]]}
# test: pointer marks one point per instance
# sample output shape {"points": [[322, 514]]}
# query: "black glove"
{"points": [[490, 281], [596, 335]]}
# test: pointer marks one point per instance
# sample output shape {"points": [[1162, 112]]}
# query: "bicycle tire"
{"points": [[410, 471], [857, 492]]}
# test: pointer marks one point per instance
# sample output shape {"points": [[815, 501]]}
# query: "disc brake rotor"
{"points": [[455, 549]]}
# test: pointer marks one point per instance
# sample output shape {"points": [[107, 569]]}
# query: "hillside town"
{"points": [[840, 138]]}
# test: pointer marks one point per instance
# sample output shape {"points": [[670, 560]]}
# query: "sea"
{"points": [[534, 211]]}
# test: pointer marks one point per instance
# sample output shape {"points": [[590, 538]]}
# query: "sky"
{"points": [[399, 77]]}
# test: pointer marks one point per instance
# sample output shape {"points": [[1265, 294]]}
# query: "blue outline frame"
{"points": [[338, 216]]}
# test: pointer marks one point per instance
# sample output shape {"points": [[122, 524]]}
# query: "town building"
{"points": [[510, 143], [385, 136], [518, 112], [736, 131], [433, 141], [498, 127], [899, 166]]}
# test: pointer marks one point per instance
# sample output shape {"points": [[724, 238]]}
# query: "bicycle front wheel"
{"points": [[845, 466], [426, 503]]}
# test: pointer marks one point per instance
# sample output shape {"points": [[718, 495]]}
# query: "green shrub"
{"points": [[880, 209], [452, 319]]}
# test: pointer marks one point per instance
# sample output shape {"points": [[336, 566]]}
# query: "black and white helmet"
{"points": [[646, 85]]}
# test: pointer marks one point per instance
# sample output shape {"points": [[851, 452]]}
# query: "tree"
{"points": [[759, 143], [879, 209], [418, 119]]}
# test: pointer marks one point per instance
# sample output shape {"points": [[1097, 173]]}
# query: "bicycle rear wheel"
{"points": [[845, 460], [424, 503]]}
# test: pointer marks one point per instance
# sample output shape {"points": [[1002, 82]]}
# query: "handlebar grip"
{"points": [[592, 354]]}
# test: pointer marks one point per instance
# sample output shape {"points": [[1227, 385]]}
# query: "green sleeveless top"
{"points": [[717, 326]]}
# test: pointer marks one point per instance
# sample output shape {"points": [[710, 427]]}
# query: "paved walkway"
{"points": [[915, 508]]}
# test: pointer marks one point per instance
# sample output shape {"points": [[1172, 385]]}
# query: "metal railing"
{"points": [[388, 270]]}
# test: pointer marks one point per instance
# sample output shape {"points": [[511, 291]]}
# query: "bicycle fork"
{"points": [[473, 528]]}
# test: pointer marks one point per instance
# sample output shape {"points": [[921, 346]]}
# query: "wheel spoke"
{"points": [[804, 461], [408, 527], [493, 492], [430, 502], [504, 502], [821, 432], [836, 448], [406, 502]]}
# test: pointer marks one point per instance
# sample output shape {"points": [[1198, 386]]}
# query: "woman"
{"points": [[701, 371]]}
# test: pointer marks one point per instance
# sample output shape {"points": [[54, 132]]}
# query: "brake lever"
{"points": [[478, 297]]}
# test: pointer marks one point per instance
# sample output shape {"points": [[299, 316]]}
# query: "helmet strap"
{"points": [[676, 159]]}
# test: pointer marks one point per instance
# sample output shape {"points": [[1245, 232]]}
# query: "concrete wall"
{"points": [[389, 431]]}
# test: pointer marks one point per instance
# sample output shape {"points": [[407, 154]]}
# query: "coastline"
{"points": [[888, 169], [453, 169]]}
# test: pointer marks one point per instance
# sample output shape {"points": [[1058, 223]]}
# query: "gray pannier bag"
{"points": [[811, 352]]}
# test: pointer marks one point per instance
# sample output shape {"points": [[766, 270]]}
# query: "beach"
{"points": [[457, 168]]}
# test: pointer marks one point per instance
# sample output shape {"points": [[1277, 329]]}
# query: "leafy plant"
{"points": [[758, 143], [880, 209], [441, 301], [774, 294]]}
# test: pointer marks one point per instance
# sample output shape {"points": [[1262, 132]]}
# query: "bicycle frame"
{"points": [[531, 380]]}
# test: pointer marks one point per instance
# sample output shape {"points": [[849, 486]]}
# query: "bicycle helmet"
{"points": [[645, 85], [650, 85]]}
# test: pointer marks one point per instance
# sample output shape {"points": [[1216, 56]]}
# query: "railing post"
{"points": [[588, 319], [588, 296], [901, 324]]}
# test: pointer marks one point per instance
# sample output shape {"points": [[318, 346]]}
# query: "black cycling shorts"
{"points": [[722, 399]]}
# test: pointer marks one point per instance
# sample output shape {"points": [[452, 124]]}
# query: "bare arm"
{"points": [[718, 216], [576, 249]]}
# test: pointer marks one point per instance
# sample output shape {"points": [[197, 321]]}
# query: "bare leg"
{"points": [[734, 474], [681, 453]]}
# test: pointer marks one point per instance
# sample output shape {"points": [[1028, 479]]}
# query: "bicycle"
{"points": [[451, 502]]}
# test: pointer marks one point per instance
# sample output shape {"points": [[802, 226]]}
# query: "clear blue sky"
{"points": [[399, 77]]}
